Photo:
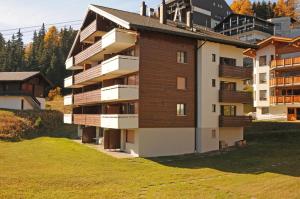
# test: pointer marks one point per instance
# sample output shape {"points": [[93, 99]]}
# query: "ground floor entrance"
{"points": [[293, 114], [112, 139]]}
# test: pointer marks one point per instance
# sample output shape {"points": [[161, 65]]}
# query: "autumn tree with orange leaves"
{"points": [[243, 7]]}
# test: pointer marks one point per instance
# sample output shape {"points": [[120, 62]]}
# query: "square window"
{"points": [[181, 83], [265, 110], [181, 57], [130, 136], [213, 82], [263, 95], [214, 57], [262, 60], [228, 110], [181, 110], [262, 78]]}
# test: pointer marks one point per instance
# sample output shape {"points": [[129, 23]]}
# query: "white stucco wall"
{"points": [[231, 135], [14, 102]]}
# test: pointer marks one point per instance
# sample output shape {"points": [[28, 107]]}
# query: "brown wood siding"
{"points": [[235, 97], [235, 72], [158, 78], [234, 121]]}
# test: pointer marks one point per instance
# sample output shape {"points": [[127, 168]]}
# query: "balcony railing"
{"points": [[235, 72], [68, 118], [112, 42], [111, 68], [285, 63], [68, 83], [235, 97], [70, 64], [287, 99], [285, 81], [68, 100], [91, 97], [234, 121], [120, 93], [117, 121], [120, 121]]}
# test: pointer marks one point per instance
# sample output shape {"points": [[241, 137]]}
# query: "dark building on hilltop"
{"points": [[207, 13], [246, 28]]}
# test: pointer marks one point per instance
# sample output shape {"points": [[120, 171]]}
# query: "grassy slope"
{"points": [[60, 168]]}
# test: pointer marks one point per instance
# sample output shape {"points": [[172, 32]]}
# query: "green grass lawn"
{"points": [[60, 168]]}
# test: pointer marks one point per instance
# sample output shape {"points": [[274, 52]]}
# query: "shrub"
{"points": [[54, 93]]}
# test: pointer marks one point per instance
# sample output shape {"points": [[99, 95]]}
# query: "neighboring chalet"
{"points": [[286, 27], [277, 78], [23, 90], [205, 13], [246, 28], [144, 86]]}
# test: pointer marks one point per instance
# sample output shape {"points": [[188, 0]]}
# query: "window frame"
{"points": [[185, 83], [181, 110], [182, 57], [262, 63]]}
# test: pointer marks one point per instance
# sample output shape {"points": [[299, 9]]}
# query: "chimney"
{"points": [[163, 13], [143, 10], [189, 19]]}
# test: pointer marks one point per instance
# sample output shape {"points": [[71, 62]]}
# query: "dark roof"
{"points": [[137, 21], [16, 76]]}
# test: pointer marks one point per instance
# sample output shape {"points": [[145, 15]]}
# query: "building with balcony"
{"points": [[23, 90], [144, 86], [277, 78], [246, 28]]}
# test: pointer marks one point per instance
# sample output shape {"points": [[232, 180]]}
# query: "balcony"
{"points": [[92, 97], [235, 72], [120, 121], [285, 63], [120, 93], [111, 68], [285, 81], [117, 121], [112, 42], [68, 100], [235, 97], [70, 64], [287, 99], [234, 121], [68, 119], [88, 34]]}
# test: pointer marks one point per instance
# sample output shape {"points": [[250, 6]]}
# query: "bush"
{"points": [[54, 93]]}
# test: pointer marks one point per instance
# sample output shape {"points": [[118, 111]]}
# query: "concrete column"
{"points": [[79, 131], [123, 140], [97, 132]]}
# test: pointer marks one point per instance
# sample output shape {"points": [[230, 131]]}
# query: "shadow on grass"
{"points": [[273, 152]]}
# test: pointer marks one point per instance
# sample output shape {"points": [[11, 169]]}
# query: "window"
{"points": [[213, 82], [263, 95], [214, 108], [264, 110], [181, 57], [262, 60], [262, 78], [228, 110], [181, 83], [130, 136], [227, 61], [214, 134], [214, 57], [181, 110], [228, 86]]}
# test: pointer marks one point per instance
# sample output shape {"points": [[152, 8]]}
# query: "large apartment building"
{"points": [[277, 78], [144, 86]]}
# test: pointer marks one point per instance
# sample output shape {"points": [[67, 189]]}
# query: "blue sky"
{"points": [[22, 13]]}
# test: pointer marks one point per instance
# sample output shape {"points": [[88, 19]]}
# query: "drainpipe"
{"points": [[197, 48]]}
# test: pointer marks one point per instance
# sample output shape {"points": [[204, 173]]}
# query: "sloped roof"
{"points": [[136, 21], [16, 76]]}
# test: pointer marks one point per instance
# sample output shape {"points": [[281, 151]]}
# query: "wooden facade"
{"points": [[235, 97], [238, 72], [234, 121]]}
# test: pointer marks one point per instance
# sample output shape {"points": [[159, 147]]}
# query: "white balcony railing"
{"points": [[120, 64], [70, 64], [120, 121], [120, 93], [68, 118], [68, 82], [118, 39], [68, 100]]}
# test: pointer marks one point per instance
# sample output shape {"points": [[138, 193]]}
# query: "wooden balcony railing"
{"points": [[283, 63], [235, 97], [88, 31], [235, 72], [87, 119], [91, 97], [88, 53], [287, 99], [234, 121], [89, 74], [285, 81]]}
